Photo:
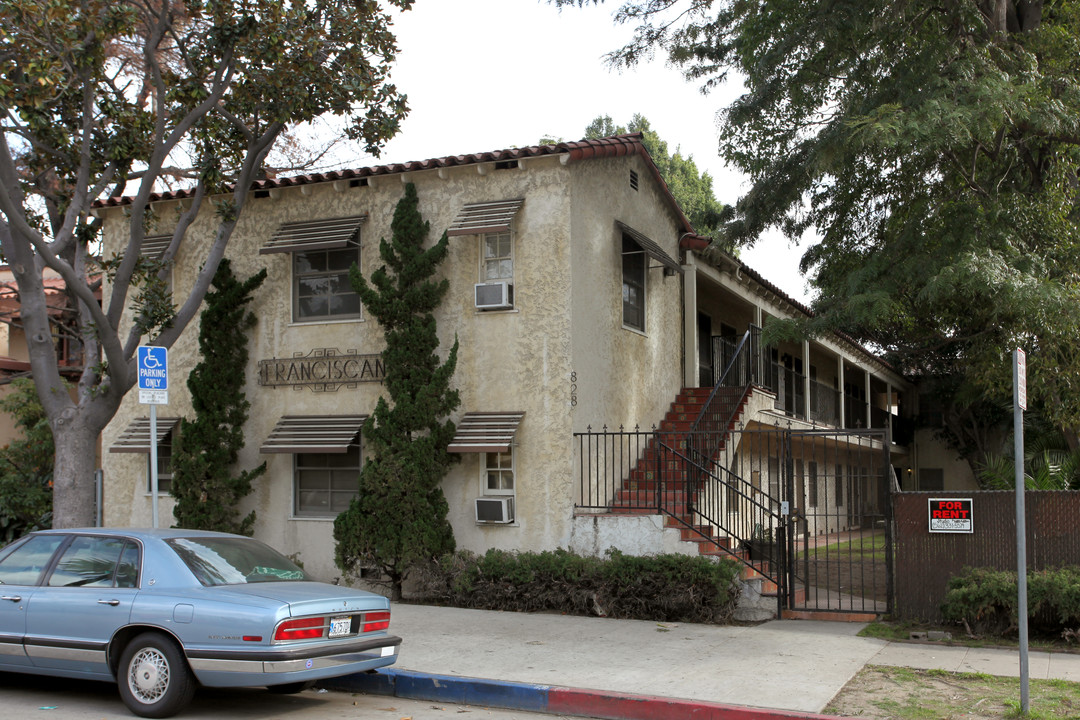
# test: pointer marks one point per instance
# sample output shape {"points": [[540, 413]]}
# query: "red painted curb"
{"points": [[617, 706]]}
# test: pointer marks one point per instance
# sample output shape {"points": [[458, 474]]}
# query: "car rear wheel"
{"points": [[154, 678]]}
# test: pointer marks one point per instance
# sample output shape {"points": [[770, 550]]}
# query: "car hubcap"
{"points": [[148, 675]]}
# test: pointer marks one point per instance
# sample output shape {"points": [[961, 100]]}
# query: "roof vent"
{"points": [[633, 180]]}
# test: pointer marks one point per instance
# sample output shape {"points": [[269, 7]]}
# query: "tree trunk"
{"points": [[74, 497]]}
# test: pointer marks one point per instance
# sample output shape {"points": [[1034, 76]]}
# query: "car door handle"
{"points": [[114, 603], [12, 598]]}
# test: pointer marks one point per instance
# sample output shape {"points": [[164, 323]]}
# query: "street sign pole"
{"points": [[1019, 406], [153, 374], [153, 462]]}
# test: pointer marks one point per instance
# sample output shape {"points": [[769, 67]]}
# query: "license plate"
{"points": [[340, 626]]}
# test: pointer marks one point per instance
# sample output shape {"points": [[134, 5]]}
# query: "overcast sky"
{"points": [[492, 74]]}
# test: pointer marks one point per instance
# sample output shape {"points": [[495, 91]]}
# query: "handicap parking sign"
{"points": [[153, 371]]}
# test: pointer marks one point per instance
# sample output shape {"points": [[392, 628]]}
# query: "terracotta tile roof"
{"points": [[615, 146]]}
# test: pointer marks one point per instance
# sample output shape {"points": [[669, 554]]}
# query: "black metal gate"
{"points": [[838, 488], [807, 510]]}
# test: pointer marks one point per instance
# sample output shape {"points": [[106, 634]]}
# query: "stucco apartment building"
{"points": [[582, 300]]}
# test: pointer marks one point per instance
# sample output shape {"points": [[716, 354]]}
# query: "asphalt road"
{"points": [[45, 698]]}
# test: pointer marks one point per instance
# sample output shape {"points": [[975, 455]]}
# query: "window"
{"points": [[24, 564], [322, 253], [321, 289], [498, 469], [812, 487], [633, 285], [97, 562], [235, 561], [326, 482], [497, 257], [164, 465]]}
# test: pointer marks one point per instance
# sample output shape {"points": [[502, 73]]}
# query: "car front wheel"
{"points": [[154, 678]]}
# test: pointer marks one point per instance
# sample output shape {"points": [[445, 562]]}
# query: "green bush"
{"points": [[985, 601], [674, 588]]}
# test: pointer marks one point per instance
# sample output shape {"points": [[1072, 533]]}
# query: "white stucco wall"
{"points": [[624, 377], [566, 319]]}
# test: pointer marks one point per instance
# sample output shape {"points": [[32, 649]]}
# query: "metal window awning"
{"points": [[485, 432], [314, 434], [136, 437], [154, 246], [330, 234], [487, 217], [650, 248]]}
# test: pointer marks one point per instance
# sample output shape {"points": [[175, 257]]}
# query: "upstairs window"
{"points": [[322, 251], [321, 288], [637, 250], [497, 257], [633, 285]]}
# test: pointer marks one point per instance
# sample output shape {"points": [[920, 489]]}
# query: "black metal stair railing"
{"points": [[714, 423]]}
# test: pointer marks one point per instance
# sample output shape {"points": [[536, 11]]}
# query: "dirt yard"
{"points": [[889, 693]]}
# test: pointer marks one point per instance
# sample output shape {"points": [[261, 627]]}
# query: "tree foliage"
{"points": [[691, 188], [933, 147], [206, 448], [104, 97], [398, 519], [26, 465], [1049, 463]]}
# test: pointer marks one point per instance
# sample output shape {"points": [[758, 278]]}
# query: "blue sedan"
{"points": [[162, 611]]}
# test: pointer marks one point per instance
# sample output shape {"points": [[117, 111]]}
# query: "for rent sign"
{"points": [[951, 515]]}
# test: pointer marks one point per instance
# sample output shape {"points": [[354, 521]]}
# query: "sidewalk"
{"points": [[628, 669]]}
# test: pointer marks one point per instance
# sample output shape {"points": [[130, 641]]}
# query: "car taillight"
{"points": [[376, 621], [300, 629]]}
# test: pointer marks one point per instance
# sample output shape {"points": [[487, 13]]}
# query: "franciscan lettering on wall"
{"points": [[322, 370]]}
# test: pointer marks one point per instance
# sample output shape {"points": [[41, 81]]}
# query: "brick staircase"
{"points": [[657, 485]]}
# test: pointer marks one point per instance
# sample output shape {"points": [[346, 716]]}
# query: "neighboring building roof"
{"points": [[10, 305], [58, 305]]}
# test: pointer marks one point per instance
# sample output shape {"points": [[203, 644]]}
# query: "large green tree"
{"points": [[398, 518], [932, 147], [691, 188], [206, 488], [99, 98]]}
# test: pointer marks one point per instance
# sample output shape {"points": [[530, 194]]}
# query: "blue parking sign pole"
{"points": [[153, 375], [153, 463]]}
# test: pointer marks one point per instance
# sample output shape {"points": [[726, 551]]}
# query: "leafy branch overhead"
{"points": [[930, 150], [108, 98]]}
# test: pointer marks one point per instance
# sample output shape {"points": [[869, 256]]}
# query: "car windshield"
{"points": [[234, 561]]}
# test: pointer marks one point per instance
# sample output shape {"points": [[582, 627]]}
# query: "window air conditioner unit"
{"points": [[494, 295], [495, 510]]}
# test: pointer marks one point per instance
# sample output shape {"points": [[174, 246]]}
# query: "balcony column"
{"points": [[888, 406], [806, 379], [843, 394], [869, 404], [690, 333]]}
